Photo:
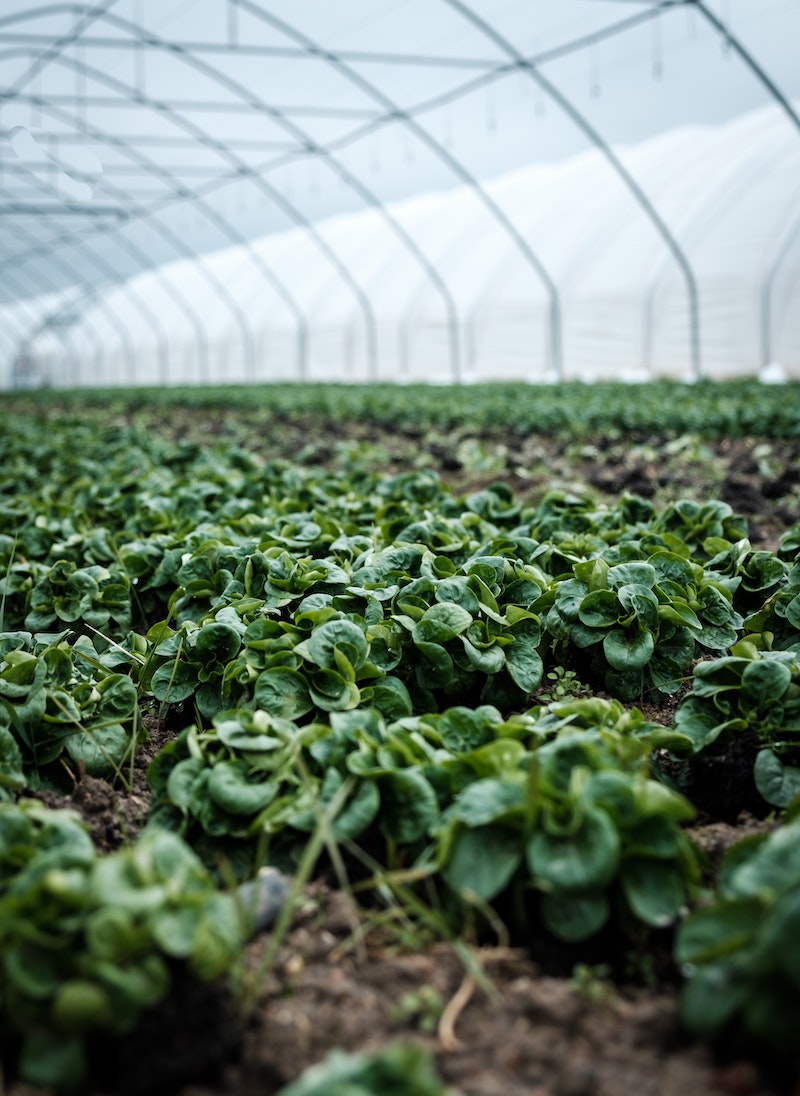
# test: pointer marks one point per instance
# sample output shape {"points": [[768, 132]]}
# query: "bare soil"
{"points": [[500, 1020]]}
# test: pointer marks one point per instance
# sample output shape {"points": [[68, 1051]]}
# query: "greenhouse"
{"points": [[441, 193], [399, 547]]}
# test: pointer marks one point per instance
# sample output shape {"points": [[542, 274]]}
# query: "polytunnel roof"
{"points": [[307, 161]]}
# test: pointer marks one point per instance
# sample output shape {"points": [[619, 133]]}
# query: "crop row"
{"points": [[363, 657], [666, 408]]}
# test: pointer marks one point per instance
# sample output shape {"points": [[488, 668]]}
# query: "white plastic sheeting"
{"points": [[729, 195]]}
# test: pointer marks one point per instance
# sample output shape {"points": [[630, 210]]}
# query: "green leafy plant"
{"points": [[581, 824], [86, 943], [55, 700], [749, 691], [643, 615], [740, 953], [565, 683], [397, 1069]]}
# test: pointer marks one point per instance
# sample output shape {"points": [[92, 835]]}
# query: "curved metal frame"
{"points": [[387, 110]]}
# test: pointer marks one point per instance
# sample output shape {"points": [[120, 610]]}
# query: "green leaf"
{"points": [[711, 998], [487, 801], [574, 918], [330, 692], [716, 931], [599, 609], [336, 635], [398, 1070], [483, 860], [118, 698], [282, 692], [52, 1061], [218, 642], [359, 811], [779, 784], [440, 623], [436, 667], [182, 779], [251, 732], [463, 729], [81, 1006], [654, 889], [390, 697], [174, 930], [33, 971], [409, 806], [765, 680], [101, 750], [628, 649], [174, 681], [524, 663], [111, 934], [581, 860], [232, 789]]}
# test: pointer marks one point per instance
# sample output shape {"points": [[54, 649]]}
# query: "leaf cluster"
{"points": [[87, 942], [740, 953], [57, 698]]}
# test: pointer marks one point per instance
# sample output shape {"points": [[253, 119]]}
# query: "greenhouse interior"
{"points": [[240, 191]]}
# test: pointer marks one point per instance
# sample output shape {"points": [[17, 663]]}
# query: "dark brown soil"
{"points": [[499, 1022]]}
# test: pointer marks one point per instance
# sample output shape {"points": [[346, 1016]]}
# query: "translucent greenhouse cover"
{"points": [[417, 190]]}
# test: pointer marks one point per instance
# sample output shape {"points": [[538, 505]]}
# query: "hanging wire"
{"points": [[691, 22], [725, 16], [139, 49], [658, 64], [233, 25], [595, 89]]}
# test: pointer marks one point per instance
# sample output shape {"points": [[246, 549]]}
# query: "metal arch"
{"points": [[26, 332], [87, 17], [349, 178], [493, 72], [215, 283], [243, 170], [60, 237], [155, 226], [49, 320], [90, 292], [696, 220], [748, 59], [94, 293], [395, 111], [180, 192], [578, 118], [355, 55], [768, 287], [664, 4], [116, 279], [257, 179], [744, 54], [213, 215]]}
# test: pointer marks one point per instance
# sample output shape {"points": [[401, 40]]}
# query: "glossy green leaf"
{"points": [[483, 860], [654, 890], [582, 860]]}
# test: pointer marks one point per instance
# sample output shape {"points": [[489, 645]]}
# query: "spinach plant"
{"points": [[741, 953], [56, 699], [87, 943], [749, 691]]}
